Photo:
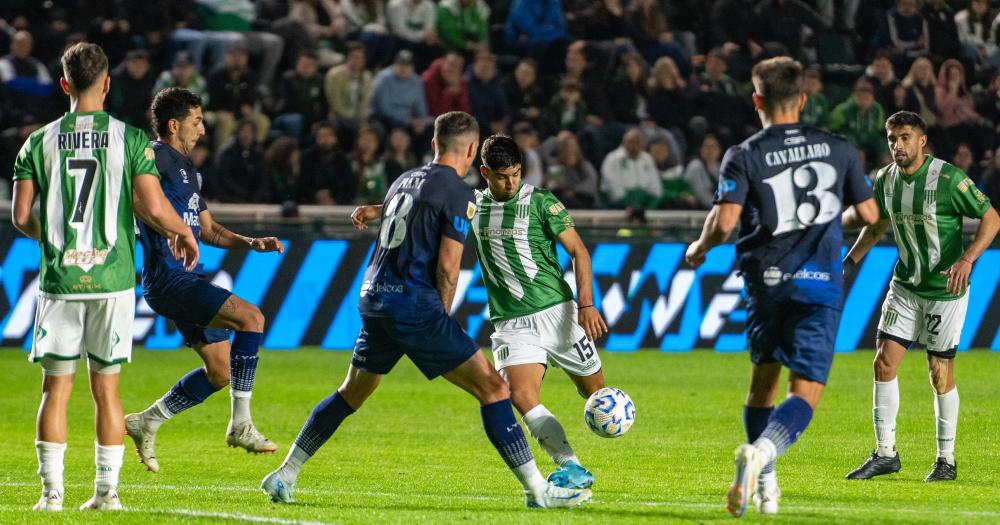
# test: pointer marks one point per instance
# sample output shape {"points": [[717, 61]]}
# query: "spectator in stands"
{"points": [[974, 25], [965, 160], [463, 25], [567, 111], [944, 40], [27, 82], [284, 177], [702, 172], [300, 102], [532, 171], [731, 32], [668, 96], [238, 177], [676, 191], [715, 96], [958, 112], [183, 74], [628, 174], [989, 105], [445, 85], [991, 178], [592, 79], [882, 78], [525, 96], [571, 177], [348, 88], [366, 22], [368, 167], [398, 99], [131, 89], [232, 95], [325, 26], [596, 19], [201, 159], [903, 33], [399, 157], [108, 28], [627, 90], [651, 35], [537, 28], [414, 24], [236, 17], [486, 97], [861, 119], [919, 84], [817, 109], [326, 172]]}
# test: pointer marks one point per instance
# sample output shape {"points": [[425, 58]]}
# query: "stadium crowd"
{"points": [[615, 103]]}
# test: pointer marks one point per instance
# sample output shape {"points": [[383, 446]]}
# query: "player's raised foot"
{"points": [[876, 465], [277, 489], [557, 497], [145, 441], [51, 500], [766, 500], [943, 471], [103, 500], [572, 475], [245, 435], [748, 466]]}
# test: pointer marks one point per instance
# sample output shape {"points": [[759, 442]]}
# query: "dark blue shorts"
{"points": [[436, 344], [191, 303], [800, 336]]}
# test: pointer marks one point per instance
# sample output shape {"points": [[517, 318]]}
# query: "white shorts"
{"points": [[550, 336], [935, 324], [100, 329]]}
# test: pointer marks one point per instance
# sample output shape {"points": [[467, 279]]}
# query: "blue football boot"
{"points": [[571, 475]]}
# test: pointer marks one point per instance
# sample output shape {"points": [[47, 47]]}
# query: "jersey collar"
{"points": [[908, 179]]}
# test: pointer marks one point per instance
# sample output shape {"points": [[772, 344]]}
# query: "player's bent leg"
{"points": [[108, 448], [326, 417], [587, 385], [50, 440], [946, 402], [764, 379]]}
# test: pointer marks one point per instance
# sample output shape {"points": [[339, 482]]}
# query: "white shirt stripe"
{"points": [[114, 174], [499, 255], [521, 238], [930, 211], [54, 213]]}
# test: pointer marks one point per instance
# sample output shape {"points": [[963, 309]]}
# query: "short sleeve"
{"points": [[457, 210], [878, 185], [24, 165], [856, 185], [554, 216], [139, 154], [734, 181], [966, 198]]}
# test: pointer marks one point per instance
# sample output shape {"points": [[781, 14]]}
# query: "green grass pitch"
{"points": [[416, 452]]}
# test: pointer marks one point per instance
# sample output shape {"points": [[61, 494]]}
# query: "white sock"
{"points": [[156, 414], [885, 406], [768, 481], [241, 405], [544, 427], [946, 414], [289, 469], [767, 449], [108, 459], [50, 464], [531, 479]]}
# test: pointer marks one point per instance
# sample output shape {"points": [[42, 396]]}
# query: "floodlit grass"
{"points": [[416, 453]]}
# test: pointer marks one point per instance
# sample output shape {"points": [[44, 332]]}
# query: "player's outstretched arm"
{"points": [[862, 214], [721, 222], [23, 218], [215, 234], [870, 235], [958, 274], [587, 314], [449, 263], [362, 215], [151, 206]]}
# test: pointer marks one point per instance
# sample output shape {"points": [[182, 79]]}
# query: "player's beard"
{"points": [[903, 161]]}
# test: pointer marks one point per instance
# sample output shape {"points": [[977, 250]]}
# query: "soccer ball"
{"points": [[609, 412]]}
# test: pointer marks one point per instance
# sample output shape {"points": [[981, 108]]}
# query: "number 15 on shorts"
{"points": [[584, 349]]}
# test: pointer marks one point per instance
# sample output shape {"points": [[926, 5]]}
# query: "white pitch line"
{"points": [[444, 497], [228, 516]]}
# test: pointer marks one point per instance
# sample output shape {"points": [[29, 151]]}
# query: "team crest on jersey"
{"points": [[522, 210], [193, 201], [930, 196], [184, 176], [148, 153], [470, 211], [556, 208], [964, 185]]}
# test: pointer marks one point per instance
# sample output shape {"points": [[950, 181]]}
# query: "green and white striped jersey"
{"points": [[926, 211], [516, 242], [83, 164]]}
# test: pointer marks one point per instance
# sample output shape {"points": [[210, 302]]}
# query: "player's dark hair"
{"points": [[906, 118], [452, 125], [500, 152], [82, 64], [172, 103], [778, 81]]}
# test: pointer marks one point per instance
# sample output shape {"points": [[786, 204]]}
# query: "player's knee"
{"points": [[254, 321], [219, 378], [523, 398], [884, 369], [492, 389]]}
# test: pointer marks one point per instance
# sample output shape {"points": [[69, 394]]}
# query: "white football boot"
{"points": [[766, 501], [50, 500], [145, 440], [557, 497], [748, 463], [245, 435], [277, 489], [103, 500]]}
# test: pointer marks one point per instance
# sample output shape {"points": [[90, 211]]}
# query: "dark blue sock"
{"points": [[754, 421], [191, 390], [787, 423], [243, 360], [505, 434], [323, 422]]}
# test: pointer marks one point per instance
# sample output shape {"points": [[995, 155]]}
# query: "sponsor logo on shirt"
{"points": [[503, 232], [370, 287], [727, 185], [910, 218], [556, 208], [84, 257], [184, 176], [774, 276]]}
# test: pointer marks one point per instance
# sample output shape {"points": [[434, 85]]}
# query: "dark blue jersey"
{"points": [[793, 182], [181, 184], [421, 206]]}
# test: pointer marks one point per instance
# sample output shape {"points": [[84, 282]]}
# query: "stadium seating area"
{"points": [[617, 103]]}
